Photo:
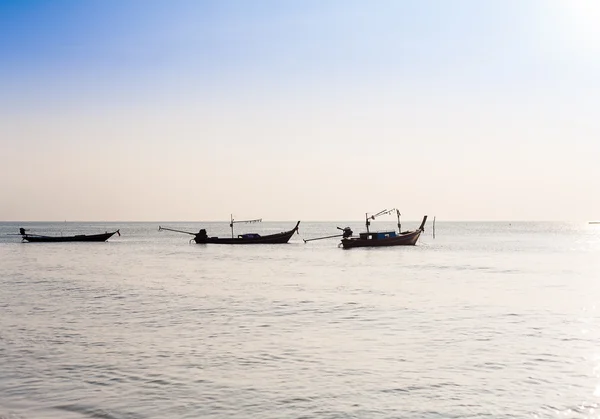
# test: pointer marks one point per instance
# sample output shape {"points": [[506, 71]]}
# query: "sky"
{"points": [[148, 110]]}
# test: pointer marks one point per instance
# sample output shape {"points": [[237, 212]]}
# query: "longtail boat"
{"points": [[249, 238], [37, 238], [384, 238], [378, 238]]}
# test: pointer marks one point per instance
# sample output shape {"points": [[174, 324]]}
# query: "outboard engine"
{"points": [[201, 236], [346, 232]]}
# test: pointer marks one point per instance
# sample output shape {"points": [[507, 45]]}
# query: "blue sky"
{"points": [[440, 101], [175, 47]]}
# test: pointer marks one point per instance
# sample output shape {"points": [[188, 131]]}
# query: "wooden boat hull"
{"points": [[405, 239], [408, 238], [79, 238], [278, 238]]}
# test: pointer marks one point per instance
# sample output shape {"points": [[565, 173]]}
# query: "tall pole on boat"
{"points": [[367, 221], [399, 225], [232, 222]]}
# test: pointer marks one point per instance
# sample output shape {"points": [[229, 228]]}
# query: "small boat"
{"points": [[37, 238], [384, 238], [249, 238]]}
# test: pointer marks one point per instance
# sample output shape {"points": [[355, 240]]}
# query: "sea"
{"points": [[486, 320]]}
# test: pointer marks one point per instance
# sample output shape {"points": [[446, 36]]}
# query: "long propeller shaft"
{"points": [[321, 238], [176, 231]]}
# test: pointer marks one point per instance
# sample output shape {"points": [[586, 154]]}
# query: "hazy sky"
{"points": [[313, 110]]}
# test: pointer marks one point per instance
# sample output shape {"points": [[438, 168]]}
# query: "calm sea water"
{"points": [[487, 320]]}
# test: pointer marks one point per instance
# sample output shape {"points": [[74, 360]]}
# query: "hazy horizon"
{"points": [[312, 110], [378, 221]]}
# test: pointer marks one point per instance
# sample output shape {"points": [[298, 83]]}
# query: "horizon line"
{"points": [[285, 221]]}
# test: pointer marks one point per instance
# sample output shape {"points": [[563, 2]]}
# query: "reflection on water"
{"points": [[491, 319]]}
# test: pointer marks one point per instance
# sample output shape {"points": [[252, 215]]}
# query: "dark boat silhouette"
{"points": [[378, 238], [37, 238], [384, 238], [250, 238]]}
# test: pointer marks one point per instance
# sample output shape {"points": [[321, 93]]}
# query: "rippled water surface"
{"points": [[494, 320]]}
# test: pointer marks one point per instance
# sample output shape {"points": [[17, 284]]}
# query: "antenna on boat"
{"points": [[232, 222], [399, 225]]}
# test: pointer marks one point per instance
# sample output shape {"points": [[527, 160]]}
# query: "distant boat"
{"points": [[37, 238], [594, 222], [249, 238], [384, 238], [378, 238]]}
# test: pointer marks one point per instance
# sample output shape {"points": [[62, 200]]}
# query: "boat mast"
{"points": [[384, 212], [232, 222], [399, 225]]}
